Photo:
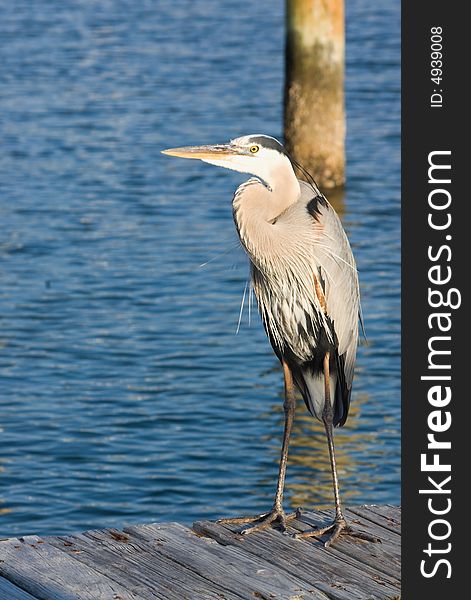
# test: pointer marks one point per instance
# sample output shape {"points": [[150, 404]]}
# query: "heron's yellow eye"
{"points": [[254, 149]]}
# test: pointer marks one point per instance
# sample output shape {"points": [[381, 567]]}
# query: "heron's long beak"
{"points": [[202, 152]]}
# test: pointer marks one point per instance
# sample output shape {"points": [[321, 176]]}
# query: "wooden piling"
{"points": [[314, 88]]}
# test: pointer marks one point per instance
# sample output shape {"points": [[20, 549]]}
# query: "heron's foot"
{"points": [[276, 516], [337, 528]]}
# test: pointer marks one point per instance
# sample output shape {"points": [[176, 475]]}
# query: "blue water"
{"points": [[126, 395]]}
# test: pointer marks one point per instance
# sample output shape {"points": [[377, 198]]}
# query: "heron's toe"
{"points": [[334, 531]]}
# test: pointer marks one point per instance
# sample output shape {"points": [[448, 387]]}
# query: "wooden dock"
{"points": [[209, 562]]}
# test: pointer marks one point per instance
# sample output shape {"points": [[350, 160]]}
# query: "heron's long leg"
{"points": [[276, 513], [289, 406], [328, 420], [340, 524]]}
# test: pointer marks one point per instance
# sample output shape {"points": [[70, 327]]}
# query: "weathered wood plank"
{"points": [[50, 574], [380, 559], [102, 559], [390, 544], [369, 512], [338, 575], [228, 567], [391, 513], [388, 538], [8, 591], [375, 529], [172, 562], [139, 568]]}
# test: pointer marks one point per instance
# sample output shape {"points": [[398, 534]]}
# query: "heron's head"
{"points": [[259, 155]]}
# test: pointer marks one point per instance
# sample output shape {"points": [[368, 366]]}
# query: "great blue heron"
{"points": [[306, 284]]}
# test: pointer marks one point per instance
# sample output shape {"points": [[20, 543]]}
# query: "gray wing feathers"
{"points": [[336, 265]]}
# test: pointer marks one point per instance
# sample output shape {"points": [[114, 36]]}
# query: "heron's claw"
{"points": [[260, 522], [335, 529]]}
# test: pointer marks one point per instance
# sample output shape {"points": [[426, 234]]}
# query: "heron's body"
{"points": [[305, 280], [297, 279]]}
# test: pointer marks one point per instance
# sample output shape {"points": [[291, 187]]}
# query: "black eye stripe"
{"points": [[264, 141]]}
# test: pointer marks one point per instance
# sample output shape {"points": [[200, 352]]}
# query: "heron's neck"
{"points": [[283, 190], [257, 207]]}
